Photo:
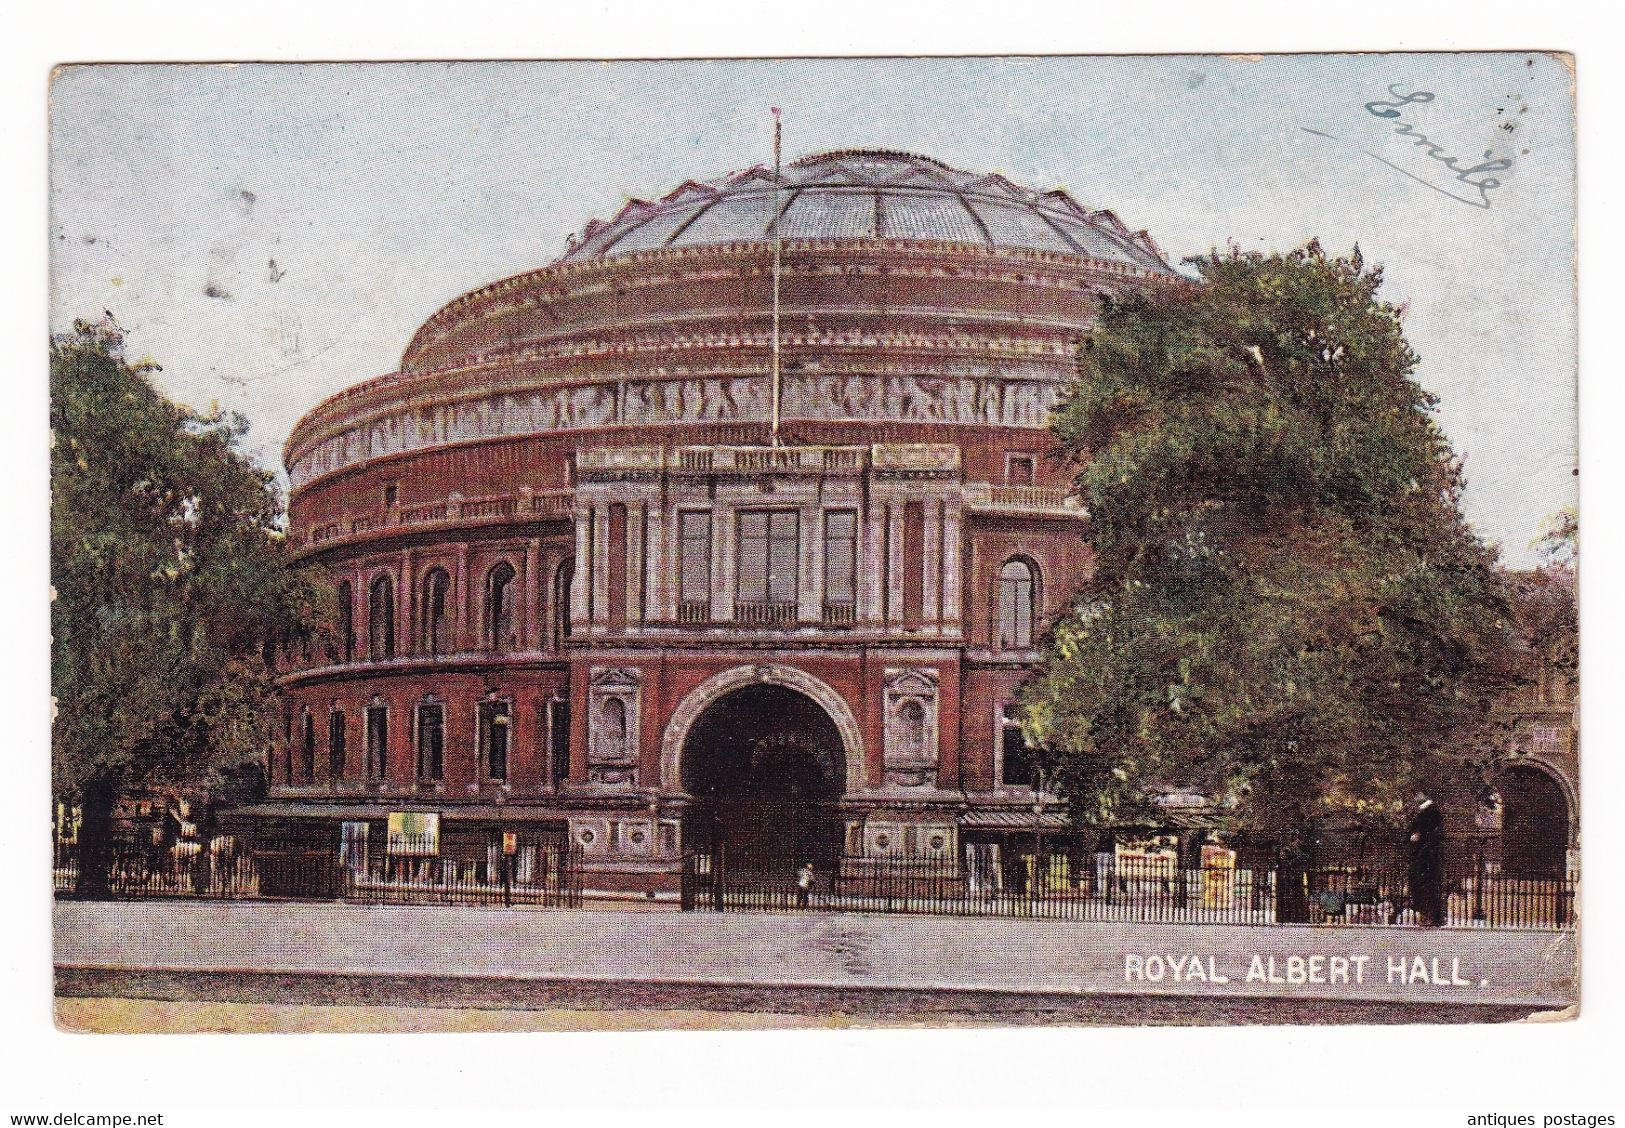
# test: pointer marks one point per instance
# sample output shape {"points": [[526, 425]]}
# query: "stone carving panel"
{"points": [[911, 727], [613, 710], [992, 401]]}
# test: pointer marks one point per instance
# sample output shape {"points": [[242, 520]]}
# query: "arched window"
{"points": [[1017, 587], [436, 624], [381, 619], [499, 606], [346, 597], [561, 602]]}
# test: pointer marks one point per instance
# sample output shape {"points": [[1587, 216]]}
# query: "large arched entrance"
{"points": [[1534, 824], [766, 768]]}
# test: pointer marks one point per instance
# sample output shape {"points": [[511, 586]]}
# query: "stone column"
{"points": [[580, 595], [658, 604], [810, 582], [599, 608], [953, 592], [403, 606], [358, 614], [724, 577], [531, 628], [894, 563], [931, 567], [872, 564], [636, 592], [465, 636]]}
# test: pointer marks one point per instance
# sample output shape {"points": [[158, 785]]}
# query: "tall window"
{"points": [[431, 741], [1016, 589], [558, 738], [436, 623], [499, 606], [381, 619], [561, 602], [496, 721], [840, 558], [347, 621], [694, 559], [337, 737], [1016, 758], [287, 742], [377, 740], [307, 744], [768, 546]]}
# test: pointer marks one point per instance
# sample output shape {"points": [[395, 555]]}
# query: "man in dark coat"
{"points": [[1427, 863]]}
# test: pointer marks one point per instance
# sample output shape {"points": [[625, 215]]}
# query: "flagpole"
{"points": [[778, 248]]}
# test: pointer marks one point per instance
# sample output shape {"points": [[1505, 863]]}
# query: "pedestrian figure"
{"points": [[804, 881], [1427, 864]]}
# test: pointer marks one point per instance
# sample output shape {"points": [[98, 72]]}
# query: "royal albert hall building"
{"points": [[588, 595]]}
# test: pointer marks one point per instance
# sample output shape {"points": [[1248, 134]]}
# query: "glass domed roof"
{"points": [[867, 194]]}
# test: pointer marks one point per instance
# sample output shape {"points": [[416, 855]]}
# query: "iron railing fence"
{"points": [[1478, 894], [545, 874], [1103, 888]]}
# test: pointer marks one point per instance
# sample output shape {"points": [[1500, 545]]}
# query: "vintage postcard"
{"points": [[763, 543]]}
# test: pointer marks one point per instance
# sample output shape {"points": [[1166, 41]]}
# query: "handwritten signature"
{"points": [[1484, 183]]}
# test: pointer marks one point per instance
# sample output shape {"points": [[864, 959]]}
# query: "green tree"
{"points": [[170, 580], [1288, 611], [1547, 612]]}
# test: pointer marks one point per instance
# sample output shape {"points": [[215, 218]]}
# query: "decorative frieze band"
{"points": [[918, 398]]}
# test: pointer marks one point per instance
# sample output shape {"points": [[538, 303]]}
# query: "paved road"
{"points": [[826, 950], [191, 1002]]}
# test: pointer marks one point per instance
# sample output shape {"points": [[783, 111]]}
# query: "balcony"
{"points": [[449, 511], [753, 614], [1043, 501], [840, 614]]}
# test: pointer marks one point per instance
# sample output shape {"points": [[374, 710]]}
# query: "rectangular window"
{"points": [[495, 722], [1017, 769], [769, 542], [431, 741], [307, 746], [840, 557], [377, 741], [336, 737], [1020, 469], [694, 556], [558, 739]]}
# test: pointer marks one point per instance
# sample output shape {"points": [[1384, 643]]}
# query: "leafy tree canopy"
{"points": [[1289, 612], [169, 574], [1544, 599]]}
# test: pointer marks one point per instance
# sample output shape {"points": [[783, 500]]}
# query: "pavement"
{"points": [[798, 965], [121, 1002]]}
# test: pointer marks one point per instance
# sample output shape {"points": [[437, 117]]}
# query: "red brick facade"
{"points": [[586, 453]]}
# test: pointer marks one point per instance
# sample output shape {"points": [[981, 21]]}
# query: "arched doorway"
{"points": [[1534, 824], [766, 768]]}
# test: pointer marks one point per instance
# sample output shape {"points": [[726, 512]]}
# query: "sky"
{"points": [[271, 234]]}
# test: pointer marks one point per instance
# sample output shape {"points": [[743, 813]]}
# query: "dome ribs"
{"points": [[909, 197]]}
